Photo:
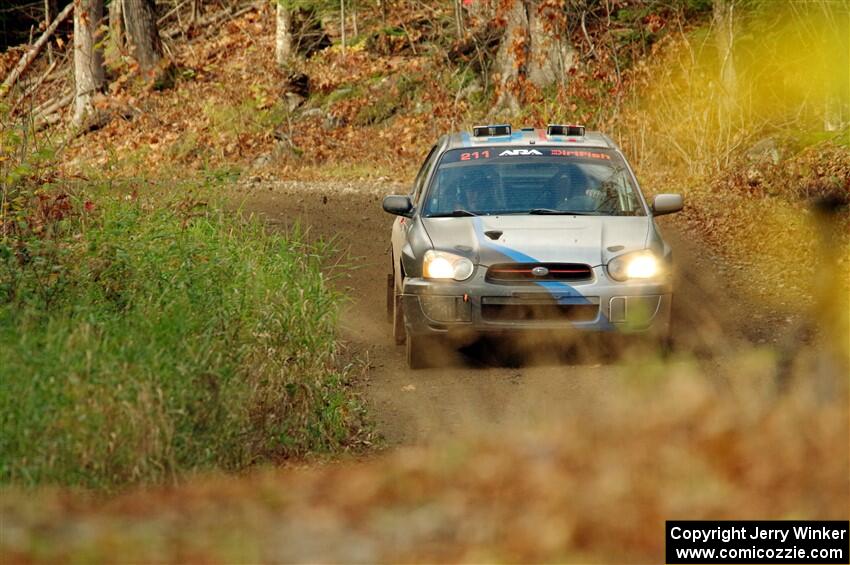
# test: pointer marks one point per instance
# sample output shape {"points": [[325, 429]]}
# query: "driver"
{"points": [[479, 191], [573, 189]]}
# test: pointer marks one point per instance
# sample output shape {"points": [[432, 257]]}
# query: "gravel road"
{"points": [[480, 387]]}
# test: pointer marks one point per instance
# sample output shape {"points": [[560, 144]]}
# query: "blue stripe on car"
{"points": [[562, 292]]}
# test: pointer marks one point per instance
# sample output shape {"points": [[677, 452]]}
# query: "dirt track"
{"points": [[477, 390]]}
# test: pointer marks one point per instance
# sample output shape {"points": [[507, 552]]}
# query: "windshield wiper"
{"points": [[453, 214], [550, 211]]}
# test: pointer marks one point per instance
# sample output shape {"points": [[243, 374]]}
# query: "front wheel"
{"points": [[390, 297], [422, 351], [398, 318], [665, 345]]}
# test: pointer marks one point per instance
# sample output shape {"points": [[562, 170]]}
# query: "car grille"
{"points": [[500, 311], [513, 273]]}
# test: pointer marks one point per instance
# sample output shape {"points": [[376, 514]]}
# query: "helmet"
{"points": [[479, 189]]}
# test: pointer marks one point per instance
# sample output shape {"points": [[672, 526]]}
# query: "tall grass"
{"points": [[751, 155], [791, 63], [140, 340]]}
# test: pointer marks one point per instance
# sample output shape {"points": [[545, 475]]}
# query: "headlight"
{"points": [[443, 265], [637, 265]]}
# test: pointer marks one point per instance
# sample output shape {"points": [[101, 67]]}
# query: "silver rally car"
{"points": [[537, 229]]}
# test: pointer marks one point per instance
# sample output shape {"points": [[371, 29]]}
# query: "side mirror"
{"points": [[667, 204], [398, 205]]}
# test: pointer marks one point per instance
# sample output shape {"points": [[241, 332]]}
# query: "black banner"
{"points": [[752, 541], [507, 152]]}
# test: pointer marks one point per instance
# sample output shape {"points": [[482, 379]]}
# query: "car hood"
{"points": [[539, 239]]}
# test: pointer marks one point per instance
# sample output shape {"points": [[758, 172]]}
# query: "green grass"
{"points": [[255, 114], [343, 93], [140, 340], [388, 102]]}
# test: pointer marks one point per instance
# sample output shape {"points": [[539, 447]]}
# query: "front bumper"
{"points": [[476, 306]]}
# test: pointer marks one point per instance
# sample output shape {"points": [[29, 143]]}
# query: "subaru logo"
{"points": [[539, 271]]}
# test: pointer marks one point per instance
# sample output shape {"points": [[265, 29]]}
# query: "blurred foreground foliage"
{"points": [[595, 485]]}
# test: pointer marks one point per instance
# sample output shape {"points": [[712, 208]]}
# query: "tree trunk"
{"points": [[512, 57], [88, 57], [50, 10], [142, 32], [833, 120], [30, 55], [529, 56], [724, 38], [342, 22], [117, 38], [283, 34], [551, 54]]}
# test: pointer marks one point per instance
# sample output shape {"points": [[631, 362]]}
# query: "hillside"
{"points": [[370, 112]]}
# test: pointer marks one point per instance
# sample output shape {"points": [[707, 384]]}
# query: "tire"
{"points": [[665, 342], [398, 318], [390, 297], [421, 352]]}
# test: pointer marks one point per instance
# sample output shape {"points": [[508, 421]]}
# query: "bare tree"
{"points": [[29, 56], [459, 18], [383, 6], [142, 32], [529, 53], [50, 10], [88, 57], [283, 34], [513, 56], [342, 22], [117, 37], [724, 37]]}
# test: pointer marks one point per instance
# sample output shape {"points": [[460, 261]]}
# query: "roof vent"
{"points": [[569, 130], [491, 131]]}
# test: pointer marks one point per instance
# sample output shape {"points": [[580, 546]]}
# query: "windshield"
{"points": [[532, 180]]}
